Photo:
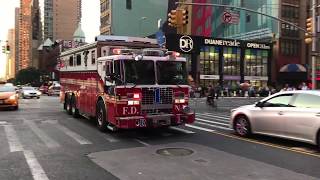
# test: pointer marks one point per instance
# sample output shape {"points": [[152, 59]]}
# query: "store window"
{"points": [[209, 64], [231, 61], [256, 62]]}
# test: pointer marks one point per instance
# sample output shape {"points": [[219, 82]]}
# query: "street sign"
{"points": [[231, 17]]}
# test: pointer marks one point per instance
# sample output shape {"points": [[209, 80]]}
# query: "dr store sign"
{"points": [[186, 44]]}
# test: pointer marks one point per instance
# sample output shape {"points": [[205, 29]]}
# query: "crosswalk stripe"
{"points": [[182, 130], [75, 136], [219, 127], [43, 136], [215, 115], [215, 118], [212, 122], [35, 167], [13, 140], [199, 128]]}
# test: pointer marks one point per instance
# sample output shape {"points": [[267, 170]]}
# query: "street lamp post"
{"points": [[140, 24]]}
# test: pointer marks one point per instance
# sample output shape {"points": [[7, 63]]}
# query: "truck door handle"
{"points": [[280, 113]]}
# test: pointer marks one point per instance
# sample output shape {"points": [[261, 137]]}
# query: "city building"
{"points": [[25, 37], [61, 18], [288, 45], [10, 62], [30, 34], [16, 42], [132, 17]]}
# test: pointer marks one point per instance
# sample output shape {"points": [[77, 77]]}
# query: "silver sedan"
{"points": [[292, 115]]}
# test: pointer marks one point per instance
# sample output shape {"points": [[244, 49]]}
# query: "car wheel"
{"points": [[74, 109], [65, 102], [242, 126], [68, 108], [101, 116], [15, 108], [38, 97]]}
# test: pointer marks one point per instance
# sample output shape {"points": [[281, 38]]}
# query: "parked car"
{"points": [[30, 92], [9, 97], [54, 91], [292, 115]]}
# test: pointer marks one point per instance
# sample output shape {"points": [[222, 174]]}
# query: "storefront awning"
{"points": [[293, 68]]}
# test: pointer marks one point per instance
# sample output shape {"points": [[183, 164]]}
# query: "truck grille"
{"points": [[148, 96]]}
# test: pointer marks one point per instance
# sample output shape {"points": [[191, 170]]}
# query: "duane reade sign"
{"points": [[220, 42], [258, 46], [186, 43]]}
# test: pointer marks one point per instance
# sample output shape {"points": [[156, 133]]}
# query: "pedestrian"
{"points": [[304, 86]]}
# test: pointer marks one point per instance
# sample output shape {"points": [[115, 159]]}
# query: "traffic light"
{"points": [[309, 33], [172, 18], [185, 17], [3, 49], [8, 48]]}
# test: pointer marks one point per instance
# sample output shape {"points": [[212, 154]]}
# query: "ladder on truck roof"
{"points": [[110, 38]]}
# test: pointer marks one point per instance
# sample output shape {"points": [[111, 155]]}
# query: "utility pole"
{"points": [[314, 45]]}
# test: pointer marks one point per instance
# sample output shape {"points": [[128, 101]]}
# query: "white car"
{"points": [[30, 92], [292, 115]]}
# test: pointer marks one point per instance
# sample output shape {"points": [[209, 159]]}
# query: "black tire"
{"points": [[38, 97], [242, 126], [65, 102], [102, 122], [15, 108], [74, 109], [69, 105]]}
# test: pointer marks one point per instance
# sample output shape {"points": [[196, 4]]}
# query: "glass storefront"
{"points": [[256, 67], [209, 65], [231, 65]]}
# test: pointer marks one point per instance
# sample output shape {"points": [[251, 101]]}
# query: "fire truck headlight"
{"points": [[130, 103], [179, 101]]}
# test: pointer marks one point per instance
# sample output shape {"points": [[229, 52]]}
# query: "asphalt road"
{"points": [[40, 141]]}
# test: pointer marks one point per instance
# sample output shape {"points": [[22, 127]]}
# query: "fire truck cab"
{"points": [[131, 87]]}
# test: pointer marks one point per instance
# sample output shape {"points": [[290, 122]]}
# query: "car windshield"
{"points": [[7, 89], [171, 72], [139, 72], [28, 88]]}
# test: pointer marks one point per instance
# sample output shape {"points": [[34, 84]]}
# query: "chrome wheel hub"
{"points": [[99, 118], [242, 126]]}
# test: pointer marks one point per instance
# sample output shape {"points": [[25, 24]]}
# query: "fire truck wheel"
{"points": [[101, 116], [74, 109], [68, 104]]}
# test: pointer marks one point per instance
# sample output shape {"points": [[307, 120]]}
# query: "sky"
{"points": [[90, 22]]}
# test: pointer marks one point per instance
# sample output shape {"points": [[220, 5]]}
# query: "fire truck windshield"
{"points": [[139, 72], [171, 72]]}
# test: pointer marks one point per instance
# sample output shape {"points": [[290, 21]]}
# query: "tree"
{"points": [[30, 76]]}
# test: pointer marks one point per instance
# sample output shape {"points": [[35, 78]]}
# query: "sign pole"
{"points": [[314, 45]]}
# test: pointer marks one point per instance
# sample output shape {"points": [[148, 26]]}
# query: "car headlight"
{"points": [[39, 93], [12, 97]]}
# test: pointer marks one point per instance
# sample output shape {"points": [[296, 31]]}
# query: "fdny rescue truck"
{"points": [[125, 82]]}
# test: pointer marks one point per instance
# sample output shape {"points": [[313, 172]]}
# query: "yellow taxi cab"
{"points": [[8, 97]]}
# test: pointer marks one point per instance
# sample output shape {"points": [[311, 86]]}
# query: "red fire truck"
{"points": [[125, 82]]}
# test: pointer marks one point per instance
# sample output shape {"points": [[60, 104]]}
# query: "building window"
{"points": [[78, 59], [93, 57], [256, 62], [290, 47], [129, 4], [71, 61], [209, 63], [231, 61]]}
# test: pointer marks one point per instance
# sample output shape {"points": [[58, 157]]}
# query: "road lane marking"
{"points": [[215, 119], [81, 140], [267, 144], [34, 166], [182, 130], [213, 122], [141, 142], [211, 125], [50, 143], [13, 140], [199, 128], [215, 116]]}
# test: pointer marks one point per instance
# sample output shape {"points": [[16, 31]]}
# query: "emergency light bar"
{"points": [[146, 52]]}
